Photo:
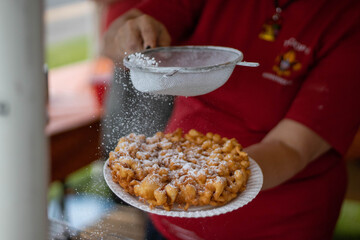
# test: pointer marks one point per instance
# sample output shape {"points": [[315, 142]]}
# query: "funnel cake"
{"points": [[180, 170]]}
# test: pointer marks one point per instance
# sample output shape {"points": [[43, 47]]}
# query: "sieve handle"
{"points": [[172, 73], [248, 64]]}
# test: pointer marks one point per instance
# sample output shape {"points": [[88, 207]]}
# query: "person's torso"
{"points": [[254, 100]]}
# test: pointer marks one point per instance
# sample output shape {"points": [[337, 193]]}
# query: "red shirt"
{"points": [[115, 9], [309, 74]]}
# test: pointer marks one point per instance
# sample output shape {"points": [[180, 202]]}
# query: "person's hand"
{"points": [[133, 32]]}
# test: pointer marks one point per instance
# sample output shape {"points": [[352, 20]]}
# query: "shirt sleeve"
{"points": [[179, 17], [329, 99]]}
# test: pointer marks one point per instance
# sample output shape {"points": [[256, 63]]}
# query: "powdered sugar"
{"points": [[153, 153], [141, 60], [199, 166], [253, 187]]}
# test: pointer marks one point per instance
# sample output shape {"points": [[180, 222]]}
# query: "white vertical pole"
{"points": [[23, 145]]}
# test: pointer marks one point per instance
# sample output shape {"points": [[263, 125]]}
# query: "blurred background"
{"points": [[80, 206]]}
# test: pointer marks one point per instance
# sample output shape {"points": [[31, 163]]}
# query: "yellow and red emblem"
{"points": [[286, 63]]}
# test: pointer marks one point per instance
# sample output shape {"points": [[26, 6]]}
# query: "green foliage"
{"points": [[348, 225], [69, 51], [87, 180]]}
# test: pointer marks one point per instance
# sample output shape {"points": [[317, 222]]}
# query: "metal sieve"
{"points": [[186, 70]]}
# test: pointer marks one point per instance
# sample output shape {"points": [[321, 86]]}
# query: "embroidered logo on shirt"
{"points": [[286, 63], [275, 78], [297, 46]]}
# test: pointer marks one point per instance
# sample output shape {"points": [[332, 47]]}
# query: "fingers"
{"points": [[114, 37], [130, 38], [164, 39], [134, 33], [148, 31], [153, 33]]}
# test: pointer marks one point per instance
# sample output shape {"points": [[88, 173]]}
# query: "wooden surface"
{"points": [[74, 149], [74, 119]]}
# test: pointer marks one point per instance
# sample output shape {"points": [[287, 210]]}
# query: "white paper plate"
{"points": [[253, 187]]}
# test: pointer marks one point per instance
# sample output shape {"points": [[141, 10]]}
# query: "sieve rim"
{"points": [[166, 70]]}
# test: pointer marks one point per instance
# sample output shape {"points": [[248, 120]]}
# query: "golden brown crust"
{"points": [[172, 169]]}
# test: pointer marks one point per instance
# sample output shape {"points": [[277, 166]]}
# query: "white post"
{"points": [[23, 144]]}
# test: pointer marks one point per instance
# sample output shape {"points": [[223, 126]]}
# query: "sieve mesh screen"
{"points": [[183, 71]]}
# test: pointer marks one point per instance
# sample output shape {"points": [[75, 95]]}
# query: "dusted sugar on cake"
{"points": [[181, 170]]}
